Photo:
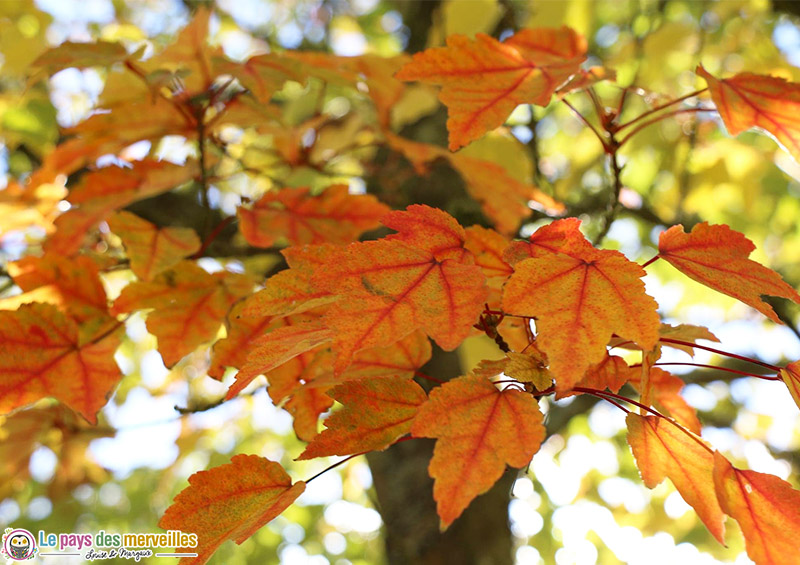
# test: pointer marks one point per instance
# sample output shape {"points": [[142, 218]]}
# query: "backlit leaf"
{"points": [[230, 502], [375, 413], [665, 393], [189, 306], [580, 296], [43, 353], [152, 249], [749, 100], [767, 509], [287, 292], [663, 451], [791, 377], [80, 55], [335, 216], [483, 80], [479, 430], [716, 256]]}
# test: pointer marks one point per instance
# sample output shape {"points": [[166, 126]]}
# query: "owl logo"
{"points": [[19, 544]]}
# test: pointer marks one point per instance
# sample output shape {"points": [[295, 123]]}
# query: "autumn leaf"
{"points": [[791, 377], [528, 368], [479, 430], [749, 100], [400, 359], [767, 509], [335, 216], [682, 337], [232, 350], [580, 296], [421, 277], [189, 306], [665, 392], [80, 56], [287, 292], [375, 413], [483, 80], [585, 79], [73, 284], [230, 502], [663, 451], [102, 192], [276, 348], [611, 373], [151, 249], [43, 353], [487, 246], [716, 256], [548, 239]]}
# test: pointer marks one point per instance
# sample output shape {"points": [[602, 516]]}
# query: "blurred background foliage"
{"points": [[581, 502]]}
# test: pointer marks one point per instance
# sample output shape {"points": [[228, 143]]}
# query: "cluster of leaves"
{"points": [[351, 321]]}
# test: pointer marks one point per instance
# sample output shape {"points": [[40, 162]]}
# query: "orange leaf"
{"points": [[479, 430], [376, 412], [483, 80], [580, 296], [421, 277], [665, 390], [716, 256], [791, 377], [43, 353], [683, 332], [487, 246], [287, 292], [232, 350], [749, 100], [101, 192], [611, 373], [276, 348], [335, 216], [151, 249], [189, 306], [305, 405], [74, 283], [230, 502], [549, 239], [80, 56], [399, 359], [662, 450], [767, 509]]}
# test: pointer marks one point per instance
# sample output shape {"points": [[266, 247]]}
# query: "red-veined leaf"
{"points": [[767, 509], [479, 430], [716, 256], [791, 377], [663, 451], [43, 353], [230, 502], [375, 413], [483, 80]]}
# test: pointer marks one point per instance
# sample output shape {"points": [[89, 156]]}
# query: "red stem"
{"points": [[657, 119], [586, 122], [422, 375], [213, 235], [726, 369], [651, 261], [603, 394], [348, 458], [720, 352], [661, 107]]}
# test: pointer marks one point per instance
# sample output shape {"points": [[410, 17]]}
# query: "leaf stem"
{"points": [[720, 368], [657, 119], [613, 206], [213, 235], [659, 108], [605, 394], [720, 352], [588, 124], [651, 261], [422, 375], [348, 458]]}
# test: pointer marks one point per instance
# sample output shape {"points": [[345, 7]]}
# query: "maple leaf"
{"points": [[33, 205], [43, 353], [716, 256], [767, 509], [287, 292], [611, 373], [335, 216], [662, 450], [479, 430], [80, 56], [73, 284], [276, 348], [672, 336], [580, 296], [101, 192], [189, 306], [151, 249], [230, 502], [487, 246], [400, 359], [750, 100], [528, 368], [665, 389], [483, 80], [375, 413]]}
